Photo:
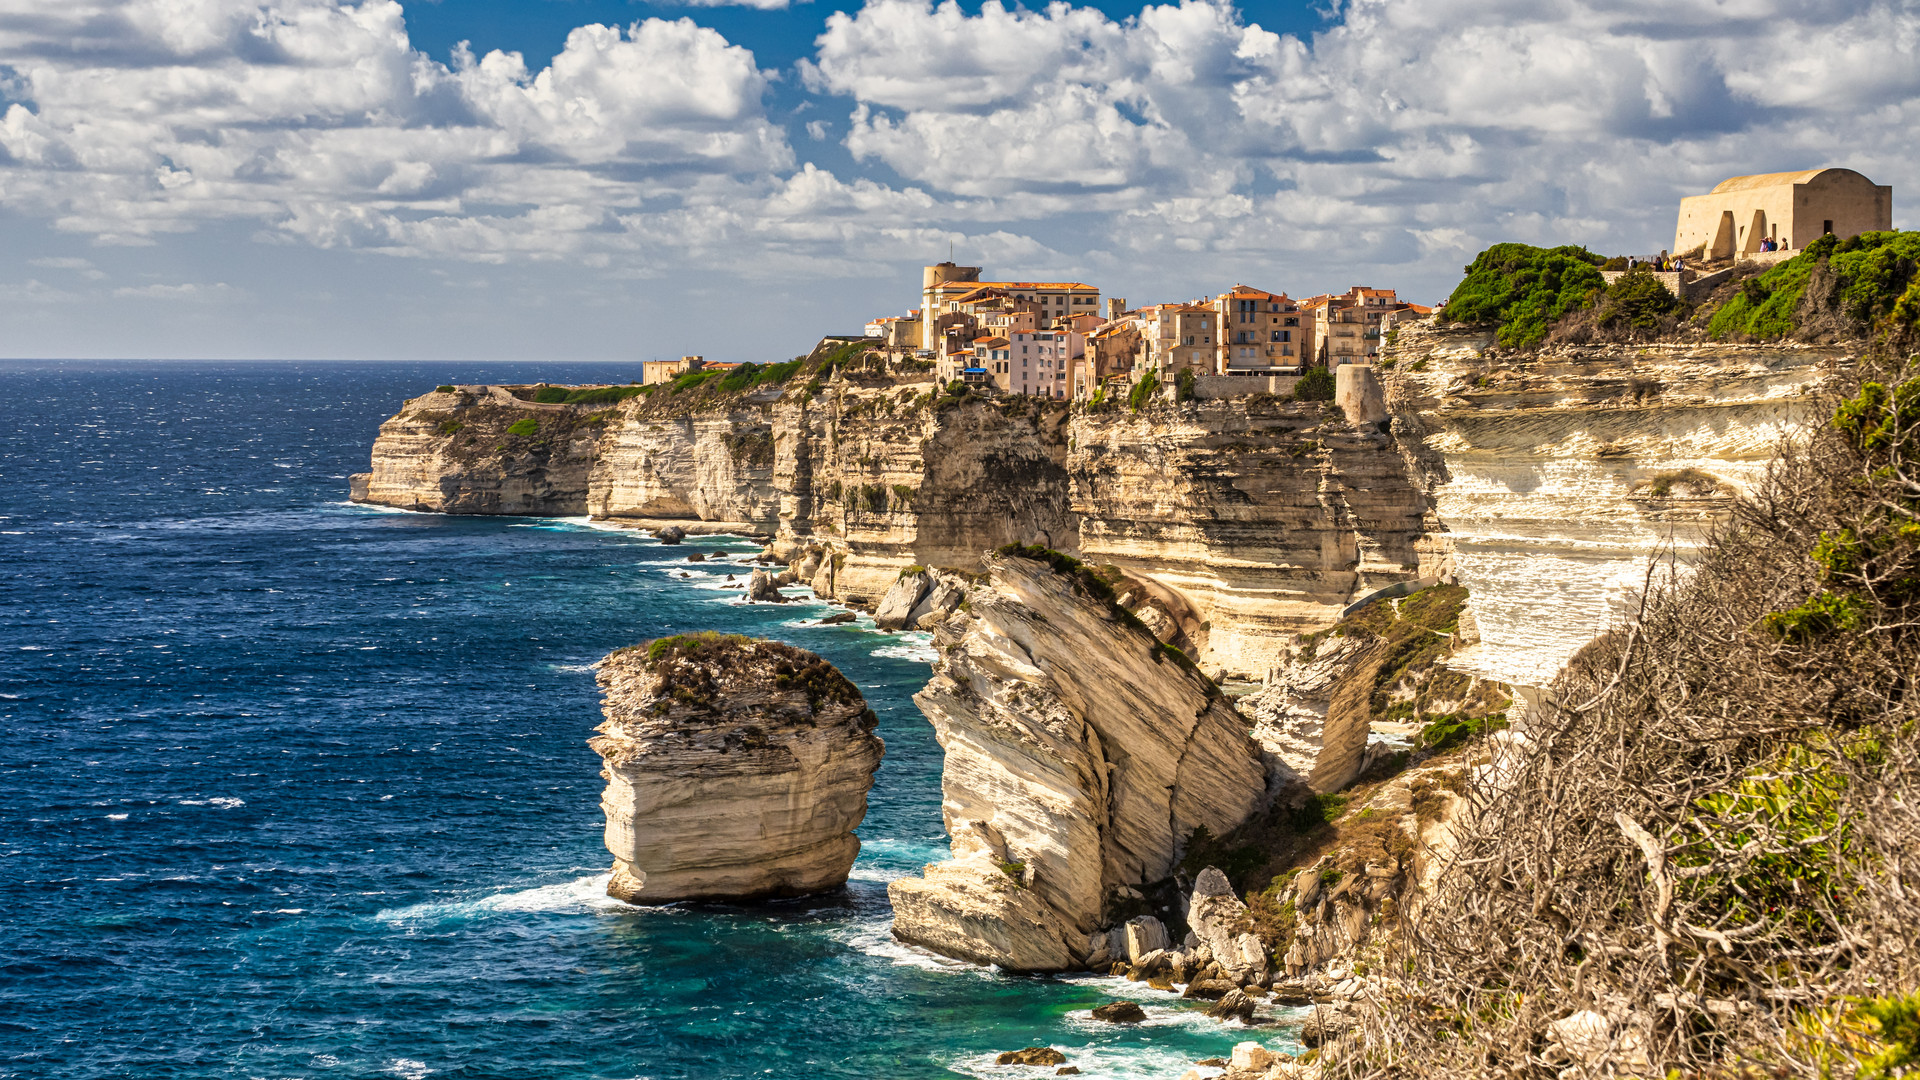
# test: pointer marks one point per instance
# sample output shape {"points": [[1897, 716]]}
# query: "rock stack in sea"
{"points": [[735, 769], [1081, 755]]}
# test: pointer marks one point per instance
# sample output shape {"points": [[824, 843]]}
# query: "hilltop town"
{"points": [[1062, 340]]}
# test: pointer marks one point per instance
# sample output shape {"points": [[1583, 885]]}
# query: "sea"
{"points": [[291, 787]]}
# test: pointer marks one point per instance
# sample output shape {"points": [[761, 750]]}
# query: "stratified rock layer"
{"points": [[735, 769], [1557, 476], [1080, 757], [480, 450], [1264, 517]]}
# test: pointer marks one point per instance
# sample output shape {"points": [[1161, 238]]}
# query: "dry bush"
{"points": [[1710, 836]]}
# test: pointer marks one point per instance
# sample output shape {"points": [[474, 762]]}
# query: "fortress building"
{"points": [[1795, 208]]}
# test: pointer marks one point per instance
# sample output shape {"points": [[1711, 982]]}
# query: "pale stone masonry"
{"points": [[1794, 208]]}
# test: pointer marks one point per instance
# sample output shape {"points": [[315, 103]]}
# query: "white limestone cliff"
{"points": [[1557, 476], [735, 769], [1080, 757]]}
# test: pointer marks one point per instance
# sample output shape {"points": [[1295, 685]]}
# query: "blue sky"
{"points": [[611, 180]]}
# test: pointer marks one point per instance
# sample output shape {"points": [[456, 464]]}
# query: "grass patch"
{"points": [[526, 427]]}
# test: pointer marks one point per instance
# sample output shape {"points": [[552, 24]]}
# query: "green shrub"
{"points": [[1639, 300], [449, 427], [1183, 385], [1455, 729], [551, 395], [1317, 811], [1524, 289], [1317, 384], [528, 426], [443, 389], [1143, 391], [1874, 272], [958, 388]]}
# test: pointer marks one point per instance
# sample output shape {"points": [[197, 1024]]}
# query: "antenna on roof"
{"points": [[949, 249]]}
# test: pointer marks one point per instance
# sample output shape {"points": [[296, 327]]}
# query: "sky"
{"points": [[615, 180]]}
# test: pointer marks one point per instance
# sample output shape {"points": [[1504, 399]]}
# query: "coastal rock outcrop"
{"points": [[1081, 755], [481, 450], [1221, 923], [1558, 475], [735, 769]]}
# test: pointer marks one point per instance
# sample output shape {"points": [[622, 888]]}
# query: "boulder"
{"points": [[1032, 1055], [839, 618], [900, 600], [760, 587], [1220, 920], [1120, 1012], [1145, 934], [1209, 989], [1324, 1025], [696, 557], [1067, 1070], [736, 769], [672, 534], [943, 595], [807, 566], [1250, 1057], [1233, 1005]]}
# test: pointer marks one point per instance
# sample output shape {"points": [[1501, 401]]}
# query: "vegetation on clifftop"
{"points": [[1858, 289], [1861, 283], [1524, 289], [1705, 842]]}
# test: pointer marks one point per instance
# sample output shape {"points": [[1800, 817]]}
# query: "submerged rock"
{"points": [[1233, 1005], [1080, 756], [735, 769], [1032, 1055], [1120, 1012]]}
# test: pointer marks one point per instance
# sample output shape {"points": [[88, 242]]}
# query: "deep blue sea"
{"points": [[295, 788]]}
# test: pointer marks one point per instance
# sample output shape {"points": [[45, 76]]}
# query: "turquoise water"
{"points": [[296, 788]]}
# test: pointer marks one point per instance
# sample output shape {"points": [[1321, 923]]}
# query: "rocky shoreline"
{"points": [[1400, 589]]}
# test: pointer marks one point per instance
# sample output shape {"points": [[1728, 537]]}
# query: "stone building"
{"points": [[1347, 326], [1261, 332], [944, 286], [1795, 208]]}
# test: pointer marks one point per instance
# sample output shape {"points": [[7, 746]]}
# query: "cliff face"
{"points": [[735, 769], [883, 478], [1080, 758], [1266, 517], [712, 466], [1556, 475], [459, 453]]}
